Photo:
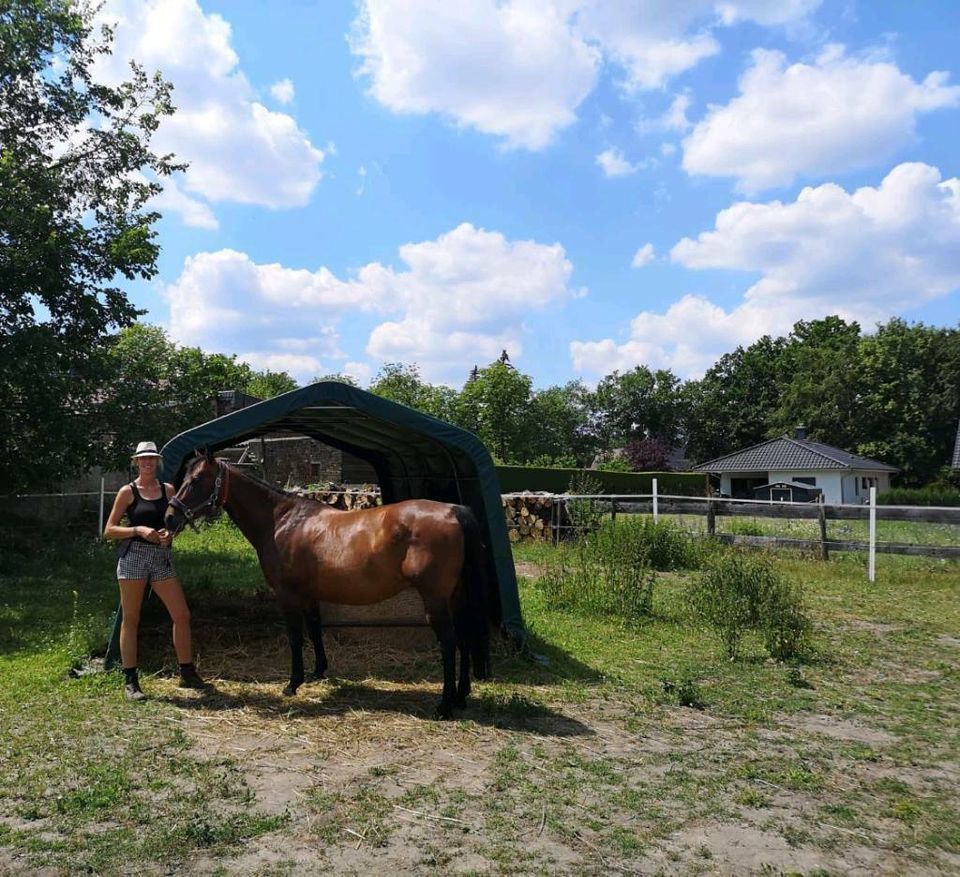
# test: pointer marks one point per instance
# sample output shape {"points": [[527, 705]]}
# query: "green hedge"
{"points": [[514, 479], [935, 496]]}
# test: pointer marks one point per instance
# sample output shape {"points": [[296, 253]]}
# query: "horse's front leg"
{"points": [[315, 629], [294, 620]]}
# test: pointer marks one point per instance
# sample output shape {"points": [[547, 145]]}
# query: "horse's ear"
{"points": [[208, 455]]}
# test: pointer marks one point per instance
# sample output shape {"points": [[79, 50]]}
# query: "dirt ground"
{"points": [[372, 785]]}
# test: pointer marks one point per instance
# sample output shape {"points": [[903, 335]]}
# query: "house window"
{"points": [[315, 470], [806, 480]]}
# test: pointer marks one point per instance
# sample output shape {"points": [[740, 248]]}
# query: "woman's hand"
{"points": [[166, 537], [150, 535]]}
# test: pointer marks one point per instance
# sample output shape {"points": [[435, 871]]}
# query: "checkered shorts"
{"points": [[144, 560]]}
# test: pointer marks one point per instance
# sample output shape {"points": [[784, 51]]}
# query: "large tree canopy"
{"points": [[157, 389], [76, 175]]}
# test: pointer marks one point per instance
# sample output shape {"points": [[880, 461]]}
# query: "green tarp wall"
{"points": [[415, 456]]}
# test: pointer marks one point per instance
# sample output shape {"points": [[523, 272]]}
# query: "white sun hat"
{"points": [[146, 449]]}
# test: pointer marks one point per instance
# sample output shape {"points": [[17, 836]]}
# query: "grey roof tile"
{"points": [[956, 450], [788, 453]]}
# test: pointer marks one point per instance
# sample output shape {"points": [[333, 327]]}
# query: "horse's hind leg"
{"points": [[441, 621], [463, 686], [294, 619], [315, 629]]}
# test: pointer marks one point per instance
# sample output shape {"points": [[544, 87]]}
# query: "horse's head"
{"points": [[202, 493]]}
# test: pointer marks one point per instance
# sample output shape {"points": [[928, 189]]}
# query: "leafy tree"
{"points": [[733, 405], [494, 403], [559, 426], [76, 173], [822, 384], [635, 404], [266, 384], [158, 389], [910, 397], [403, 384], [648, 455], [337, 377]]}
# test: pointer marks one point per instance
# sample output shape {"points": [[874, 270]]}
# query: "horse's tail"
{"points": [[473, 625]]}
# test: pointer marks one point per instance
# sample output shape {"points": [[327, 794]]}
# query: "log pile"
{"points": [[534, 517], [530, 517], [344, 498]]}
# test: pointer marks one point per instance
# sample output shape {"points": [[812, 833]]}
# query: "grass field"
{"points": [[845, 763]]}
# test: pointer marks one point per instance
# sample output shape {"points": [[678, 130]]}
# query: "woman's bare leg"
{"points": [[171, 592], [131, 601]]}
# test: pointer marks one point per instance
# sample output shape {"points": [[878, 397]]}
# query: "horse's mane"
{"points": [[272, 488]]}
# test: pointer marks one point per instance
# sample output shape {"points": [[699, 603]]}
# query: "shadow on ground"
{"points": [[341, 697]]}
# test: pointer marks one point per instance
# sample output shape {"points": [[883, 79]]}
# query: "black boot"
{"points": [[131, 686], [190, 678]]}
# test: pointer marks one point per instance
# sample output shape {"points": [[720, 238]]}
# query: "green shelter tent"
{"points": [[415, 456]]}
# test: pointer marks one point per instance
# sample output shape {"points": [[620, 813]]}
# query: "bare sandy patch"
{"points": [[839, 729]]}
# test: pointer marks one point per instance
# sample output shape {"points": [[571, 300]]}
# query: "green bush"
{"points": [[939, 494], [740, 592], [740, 527], [662, 545], [579, 579], [514, 479], [585, 514]]}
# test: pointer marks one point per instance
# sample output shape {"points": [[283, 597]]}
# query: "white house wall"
{"points": [[831, 483], [837, 487]]}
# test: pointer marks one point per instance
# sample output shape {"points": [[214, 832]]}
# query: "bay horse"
{"points": [[310, 552]]}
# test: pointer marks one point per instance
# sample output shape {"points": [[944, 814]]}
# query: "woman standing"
{"points": [[145, 556]]}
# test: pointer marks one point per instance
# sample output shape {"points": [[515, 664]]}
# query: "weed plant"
{"points": [[578, 579], [585, 514], [663, 545], [739, 592]]}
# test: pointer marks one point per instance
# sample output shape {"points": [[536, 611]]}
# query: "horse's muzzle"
{"points": [[174, 520]]}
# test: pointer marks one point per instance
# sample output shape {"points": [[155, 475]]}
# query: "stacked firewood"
{"points": [[534, 516], [345, 498]]}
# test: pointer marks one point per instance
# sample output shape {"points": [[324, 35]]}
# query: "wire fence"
{"points": [[930, 531], [816, 527]]}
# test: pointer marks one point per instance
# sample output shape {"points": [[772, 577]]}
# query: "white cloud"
{"points": [[359, 371], [644, 256], [614, 164], [836, 114], [653, 40], [282, 91], [515, 69], [518, 69], [866, 256], [675, 119], [460, 298], [192, 211], [238, 150]]}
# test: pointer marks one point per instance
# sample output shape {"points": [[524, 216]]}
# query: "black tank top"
{"points": [[147, 512]]}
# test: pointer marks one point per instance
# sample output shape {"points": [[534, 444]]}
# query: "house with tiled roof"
{"points": [[956, 452], [797, 469]]}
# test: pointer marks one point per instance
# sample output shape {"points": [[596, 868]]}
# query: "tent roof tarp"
{"points": [[414, 455]]}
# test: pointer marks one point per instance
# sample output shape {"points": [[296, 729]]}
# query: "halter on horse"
{"points": [[312, 553]]}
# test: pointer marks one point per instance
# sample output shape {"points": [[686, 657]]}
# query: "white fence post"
{"points": [[100, 519], [872, 564], [656, 511]]}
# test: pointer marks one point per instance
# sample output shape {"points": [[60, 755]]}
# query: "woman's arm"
{"points": [[113, 530]]}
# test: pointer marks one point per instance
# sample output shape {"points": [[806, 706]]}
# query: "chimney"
{"points": [[800, 433]]}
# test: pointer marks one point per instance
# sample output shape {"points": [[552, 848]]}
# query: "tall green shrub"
{"points": [[741, 592]]}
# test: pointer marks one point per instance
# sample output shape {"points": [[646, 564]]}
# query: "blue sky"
{"points": [[589, 184]]}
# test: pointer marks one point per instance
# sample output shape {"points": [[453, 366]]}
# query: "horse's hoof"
{"points": [[290, 690], [444, 713], [320, 674]]}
